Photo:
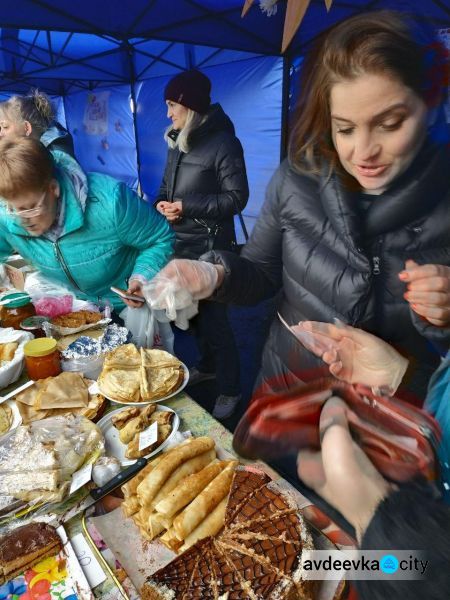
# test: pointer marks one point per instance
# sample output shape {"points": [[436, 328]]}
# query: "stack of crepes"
{"points": [[130, 376], [66, 393], [183, 493]]}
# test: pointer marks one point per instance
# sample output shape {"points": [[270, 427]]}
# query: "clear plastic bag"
{"points": [[37, 461], [145, 329]]}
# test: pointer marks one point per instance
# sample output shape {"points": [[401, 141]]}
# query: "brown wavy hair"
{"points": [[25, 166], [381, 42]]}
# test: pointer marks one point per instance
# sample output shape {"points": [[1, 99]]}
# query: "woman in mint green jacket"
{"points": [[86, 240]]}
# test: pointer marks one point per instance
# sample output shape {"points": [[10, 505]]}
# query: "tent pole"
{"points": [[132, 70], [285, 95]]}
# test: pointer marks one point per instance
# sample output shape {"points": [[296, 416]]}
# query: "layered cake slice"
{"points": [[257, 554], [25, 546]]}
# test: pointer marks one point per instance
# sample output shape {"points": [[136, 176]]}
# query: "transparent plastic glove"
{"points": [[180, 284], [341, 472], [355, 356]]}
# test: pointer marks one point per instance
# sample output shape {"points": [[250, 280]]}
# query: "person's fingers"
{"points": [[436, 315], [330, 356], [133, 304], [431, 298], [338, 451], [423, 272], [324, 329], [314, 342], [336, 369]]}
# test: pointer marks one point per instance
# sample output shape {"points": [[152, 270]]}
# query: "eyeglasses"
{"points": [[28, 213]]}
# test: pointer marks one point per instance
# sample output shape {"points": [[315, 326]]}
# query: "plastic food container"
{"points": [[42, 358], [34, 326], [15, 311]]}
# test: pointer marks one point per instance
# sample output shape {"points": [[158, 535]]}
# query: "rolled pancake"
{"points": [[130, 487], [154, 526], [188, 468], [189, 488], [136, 424], [208, 527], [151, 485], [131, 505], [170, 540], [205, 502], [119, 420]]}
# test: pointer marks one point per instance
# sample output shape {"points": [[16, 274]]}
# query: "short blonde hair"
{"points": [[25, 166], [36, 108]]}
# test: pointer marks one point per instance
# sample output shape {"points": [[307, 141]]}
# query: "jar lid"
{"points": [[21, 300], [40, 347], [31, 323]]}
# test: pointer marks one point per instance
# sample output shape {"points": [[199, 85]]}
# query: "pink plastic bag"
{"points": [[52, 306]]}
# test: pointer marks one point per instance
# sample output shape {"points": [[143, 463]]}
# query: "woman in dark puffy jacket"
{"points": [[204, 186], [356, 223]]}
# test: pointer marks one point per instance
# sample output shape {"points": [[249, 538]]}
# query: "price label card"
{"points": [[148, 436], [80, 477], [90, 565]]}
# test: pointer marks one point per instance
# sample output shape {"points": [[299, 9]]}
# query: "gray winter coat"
{"points": [[329, 260]]}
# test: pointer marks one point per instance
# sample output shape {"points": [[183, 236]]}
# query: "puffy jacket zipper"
{"points": [[175, 174], [60, 258]]}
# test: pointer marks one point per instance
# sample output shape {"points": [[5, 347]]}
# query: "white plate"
{"points": [[177, 391], [16, 417], [113, 445]]}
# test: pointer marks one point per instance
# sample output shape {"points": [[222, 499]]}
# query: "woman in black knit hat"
{"points": [[204, 186]]}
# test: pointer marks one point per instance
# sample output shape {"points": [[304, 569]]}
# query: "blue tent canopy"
{"points": [[110, 60]]}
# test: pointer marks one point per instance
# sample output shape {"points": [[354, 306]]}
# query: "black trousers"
{"points": [[218, 351]]}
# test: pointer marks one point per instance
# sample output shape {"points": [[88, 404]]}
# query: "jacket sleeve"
{"points": [[232, 183], [5, 248], [438, 335], [257, 273], [140, 226]]}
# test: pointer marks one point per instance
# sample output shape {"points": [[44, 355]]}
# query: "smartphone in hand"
{"points": [[126, 295]]}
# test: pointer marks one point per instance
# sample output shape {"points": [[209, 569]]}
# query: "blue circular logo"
{"points": [[389, 563]]}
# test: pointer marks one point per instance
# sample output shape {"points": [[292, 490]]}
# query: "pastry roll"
{"points": [[119, 420], [190, 466], [131, 505], [129, 488], [151, 485], [189, 488], [136, 424], [204, 503], [208, 527]]}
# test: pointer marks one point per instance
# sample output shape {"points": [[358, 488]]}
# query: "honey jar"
{"points": [[17, 307], [42, 358]]}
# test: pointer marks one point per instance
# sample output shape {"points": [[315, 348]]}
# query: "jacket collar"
{"points": [[410, 198]]}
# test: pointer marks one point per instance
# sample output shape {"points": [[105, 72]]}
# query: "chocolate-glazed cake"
{"points": [[25, 546], [256, 555]]}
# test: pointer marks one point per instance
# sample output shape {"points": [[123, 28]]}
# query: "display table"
{"points": [[199, 422]]}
